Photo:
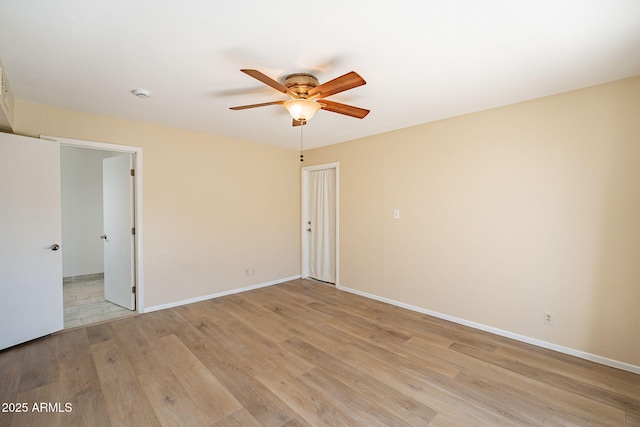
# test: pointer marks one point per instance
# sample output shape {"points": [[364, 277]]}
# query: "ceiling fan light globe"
{"points": [[301, 109]]}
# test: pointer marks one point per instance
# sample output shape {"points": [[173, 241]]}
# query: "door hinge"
{"points": [[133, 231], [133, 290], [133, 172]]}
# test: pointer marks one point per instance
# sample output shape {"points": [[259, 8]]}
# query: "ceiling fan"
{"points": [[308, 95]]}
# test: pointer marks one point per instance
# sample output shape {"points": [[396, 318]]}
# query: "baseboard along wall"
{"points": [[83, 278], [217, 295]]}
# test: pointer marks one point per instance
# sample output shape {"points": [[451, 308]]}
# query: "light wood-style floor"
{"points": [[302, 353], [84, 304]]}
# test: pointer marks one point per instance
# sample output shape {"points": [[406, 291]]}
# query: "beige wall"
{"points": [[505, 214], [212, 206]]}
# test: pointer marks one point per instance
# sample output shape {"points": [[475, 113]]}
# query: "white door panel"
{"points": [[118, 221], [31, 297]]}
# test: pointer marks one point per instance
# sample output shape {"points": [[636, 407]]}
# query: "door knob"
{"points": [[104, 236], [54, 247]]}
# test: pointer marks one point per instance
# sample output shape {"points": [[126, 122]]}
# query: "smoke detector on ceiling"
{"points": [[141, 93]]}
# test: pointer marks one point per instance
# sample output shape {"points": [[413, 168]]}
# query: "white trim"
{"points": [[218, 294], [304, 262], [539, 343], [137, 159]]}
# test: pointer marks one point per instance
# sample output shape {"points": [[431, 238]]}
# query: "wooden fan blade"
{"points": [[264, 104], [347, 110], [299, 122], [337, 85], [269, 81]]}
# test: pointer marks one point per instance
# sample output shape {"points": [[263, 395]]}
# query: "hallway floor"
{"points": [[84, 304]]}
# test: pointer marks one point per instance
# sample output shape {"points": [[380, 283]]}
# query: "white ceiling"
{"points": [[422, 60]]}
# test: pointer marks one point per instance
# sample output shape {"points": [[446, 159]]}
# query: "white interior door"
{"points": [[321, 225], [31, 302], [119, 274]]}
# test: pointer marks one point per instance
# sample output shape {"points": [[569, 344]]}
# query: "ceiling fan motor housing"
{"points": [[301, 83]]}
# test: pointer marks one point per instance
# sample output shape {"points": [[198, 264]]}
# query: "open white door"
{"points": [[31, 302], [119, 274]]}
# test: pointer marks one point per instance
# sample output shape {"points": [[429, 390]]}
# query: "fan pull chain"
{"points": [[301, 155]]}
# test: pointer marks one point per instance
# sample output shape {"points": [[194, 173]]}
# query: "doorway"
{"points": [[91, 192], [133, 155], [320, 223]]}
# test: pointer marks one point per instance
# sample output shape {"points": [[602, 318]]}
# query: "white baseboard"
{"points": [[561, 349], [217, 295]]}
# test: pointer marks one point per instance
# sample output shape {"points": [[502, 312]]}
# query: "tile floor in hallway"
{"points": [[84, 304]]}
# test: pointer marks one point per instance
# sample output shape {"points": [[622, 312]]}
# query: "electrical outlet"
{"points": [[247, 272], [253, 271], [548, 318]]}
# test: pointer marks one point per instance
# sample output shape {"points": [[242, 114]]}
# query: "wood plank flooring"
{"points": [[304, 354]]}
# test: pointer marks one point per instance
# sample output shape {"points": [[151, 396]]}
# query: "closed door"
{"points": [[119, 273], [31, 304], [321, 225]]}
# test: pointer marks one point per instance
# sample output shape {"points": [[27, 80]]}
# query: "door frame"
{"points": [[305, 214], [137, 203]]}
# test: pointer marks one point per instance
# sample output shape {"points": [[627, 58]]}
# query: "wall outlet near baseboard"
{"points": [[548, 318]]}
